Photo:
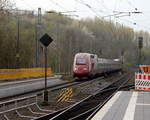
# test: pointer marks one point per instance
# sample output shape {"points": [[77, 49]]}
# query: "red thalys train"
{"points": [[89, 65]]}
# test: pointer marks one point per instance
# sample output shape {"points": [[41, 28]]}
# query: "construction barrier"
{"points": [[142, 81], [145, 68], [11, 74]]}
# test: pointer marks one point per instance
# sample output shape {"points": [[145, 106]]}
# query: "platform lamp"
{"points": [[46, 40]]}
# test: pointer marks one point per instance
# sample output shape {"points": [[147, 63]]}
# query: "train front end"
{"points": [[81, 65]]}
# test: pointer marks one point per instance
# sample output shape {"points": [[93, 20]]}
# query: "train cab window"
{"points": [[92, 56], [80, 61]]}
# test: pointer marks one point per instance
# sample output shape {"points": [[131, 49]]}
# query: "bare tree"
{"points": [[5, 6]]}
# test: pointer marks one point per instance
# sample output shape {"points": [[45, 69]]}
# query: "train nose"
{"points": [[81, 71]]}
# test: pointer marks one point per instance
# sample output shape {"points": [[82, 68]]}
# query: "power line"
{"points": [[29, 6], [90, 7], [57, 4], [134, 23], [130, 4], [115, 7], [137, 9], [101, 2], [104, 8]]}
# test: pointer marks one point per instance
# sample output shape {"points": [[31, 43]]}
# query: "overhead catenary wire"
{"points": [[104, 9], [82, 2], [29, 5], [116, 1], [96, 12], [95, 9], [101, 2], [57, 4], [89, 6], [44, 10], [117, 4], [130, 3], [31, 8], [65, 12], [133, 23]]}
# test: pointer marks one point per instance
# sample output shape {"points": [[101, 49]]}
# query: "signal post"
{"points": [[46, 40]]}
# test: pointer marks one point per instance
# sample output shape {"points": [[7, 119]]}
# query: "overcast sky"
{"points": [[99, 8]]}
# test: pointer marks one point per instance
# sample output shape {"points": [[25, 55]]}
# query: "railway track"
{"points": [[26, 108], [82, 109], [17, 106]]}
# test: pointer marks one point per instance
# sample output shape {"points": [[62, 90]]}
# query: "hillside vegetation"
{"points": [[71, 36]]}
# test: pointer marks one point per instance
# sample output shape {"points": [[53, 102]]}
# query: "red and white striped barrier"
{"points": [[142, 81]]}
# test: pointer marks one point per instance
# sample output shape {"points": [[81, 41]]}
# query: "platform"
{"points": [[126, 106]]}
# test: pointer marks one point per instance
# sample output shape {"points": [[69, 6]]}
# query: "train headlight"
{"points": [[85, 69], [75, 68]]}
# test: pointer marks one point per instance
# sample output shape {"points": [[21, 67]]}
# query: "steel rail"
{"points": [[24, 116], [75, 83], [44, 110], [35, 96], [58, 116], [108, 98], [17, 108], [15, 102], [57, 86], [51, 113], [57, 112], [82, 115], [5, 116], [86, 114], [18, 99], [36, 112]]}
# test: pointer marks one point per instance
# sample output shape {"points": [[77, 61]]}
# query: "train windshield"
{"points": [[81, 61]]}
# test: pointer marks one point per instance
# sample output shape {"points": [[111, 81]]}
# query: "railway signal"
{"points": [[140, 46], [140, 43], [46, 40]]}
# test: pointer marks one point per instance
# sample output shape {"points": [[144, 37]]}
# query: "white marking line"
{"points": [[142, 104], [129, 114], [99, 115]]}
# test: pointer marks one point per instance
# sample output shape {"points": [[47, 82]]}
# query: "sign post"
{"points": [[46, 40]]}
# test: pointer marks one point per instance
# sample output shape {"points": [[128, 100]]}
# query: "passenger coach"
{"points": [[89, 65]]}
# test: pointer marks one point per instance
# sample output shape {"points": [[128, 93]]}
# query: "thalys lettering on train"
{"points": [[89, 65]]}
